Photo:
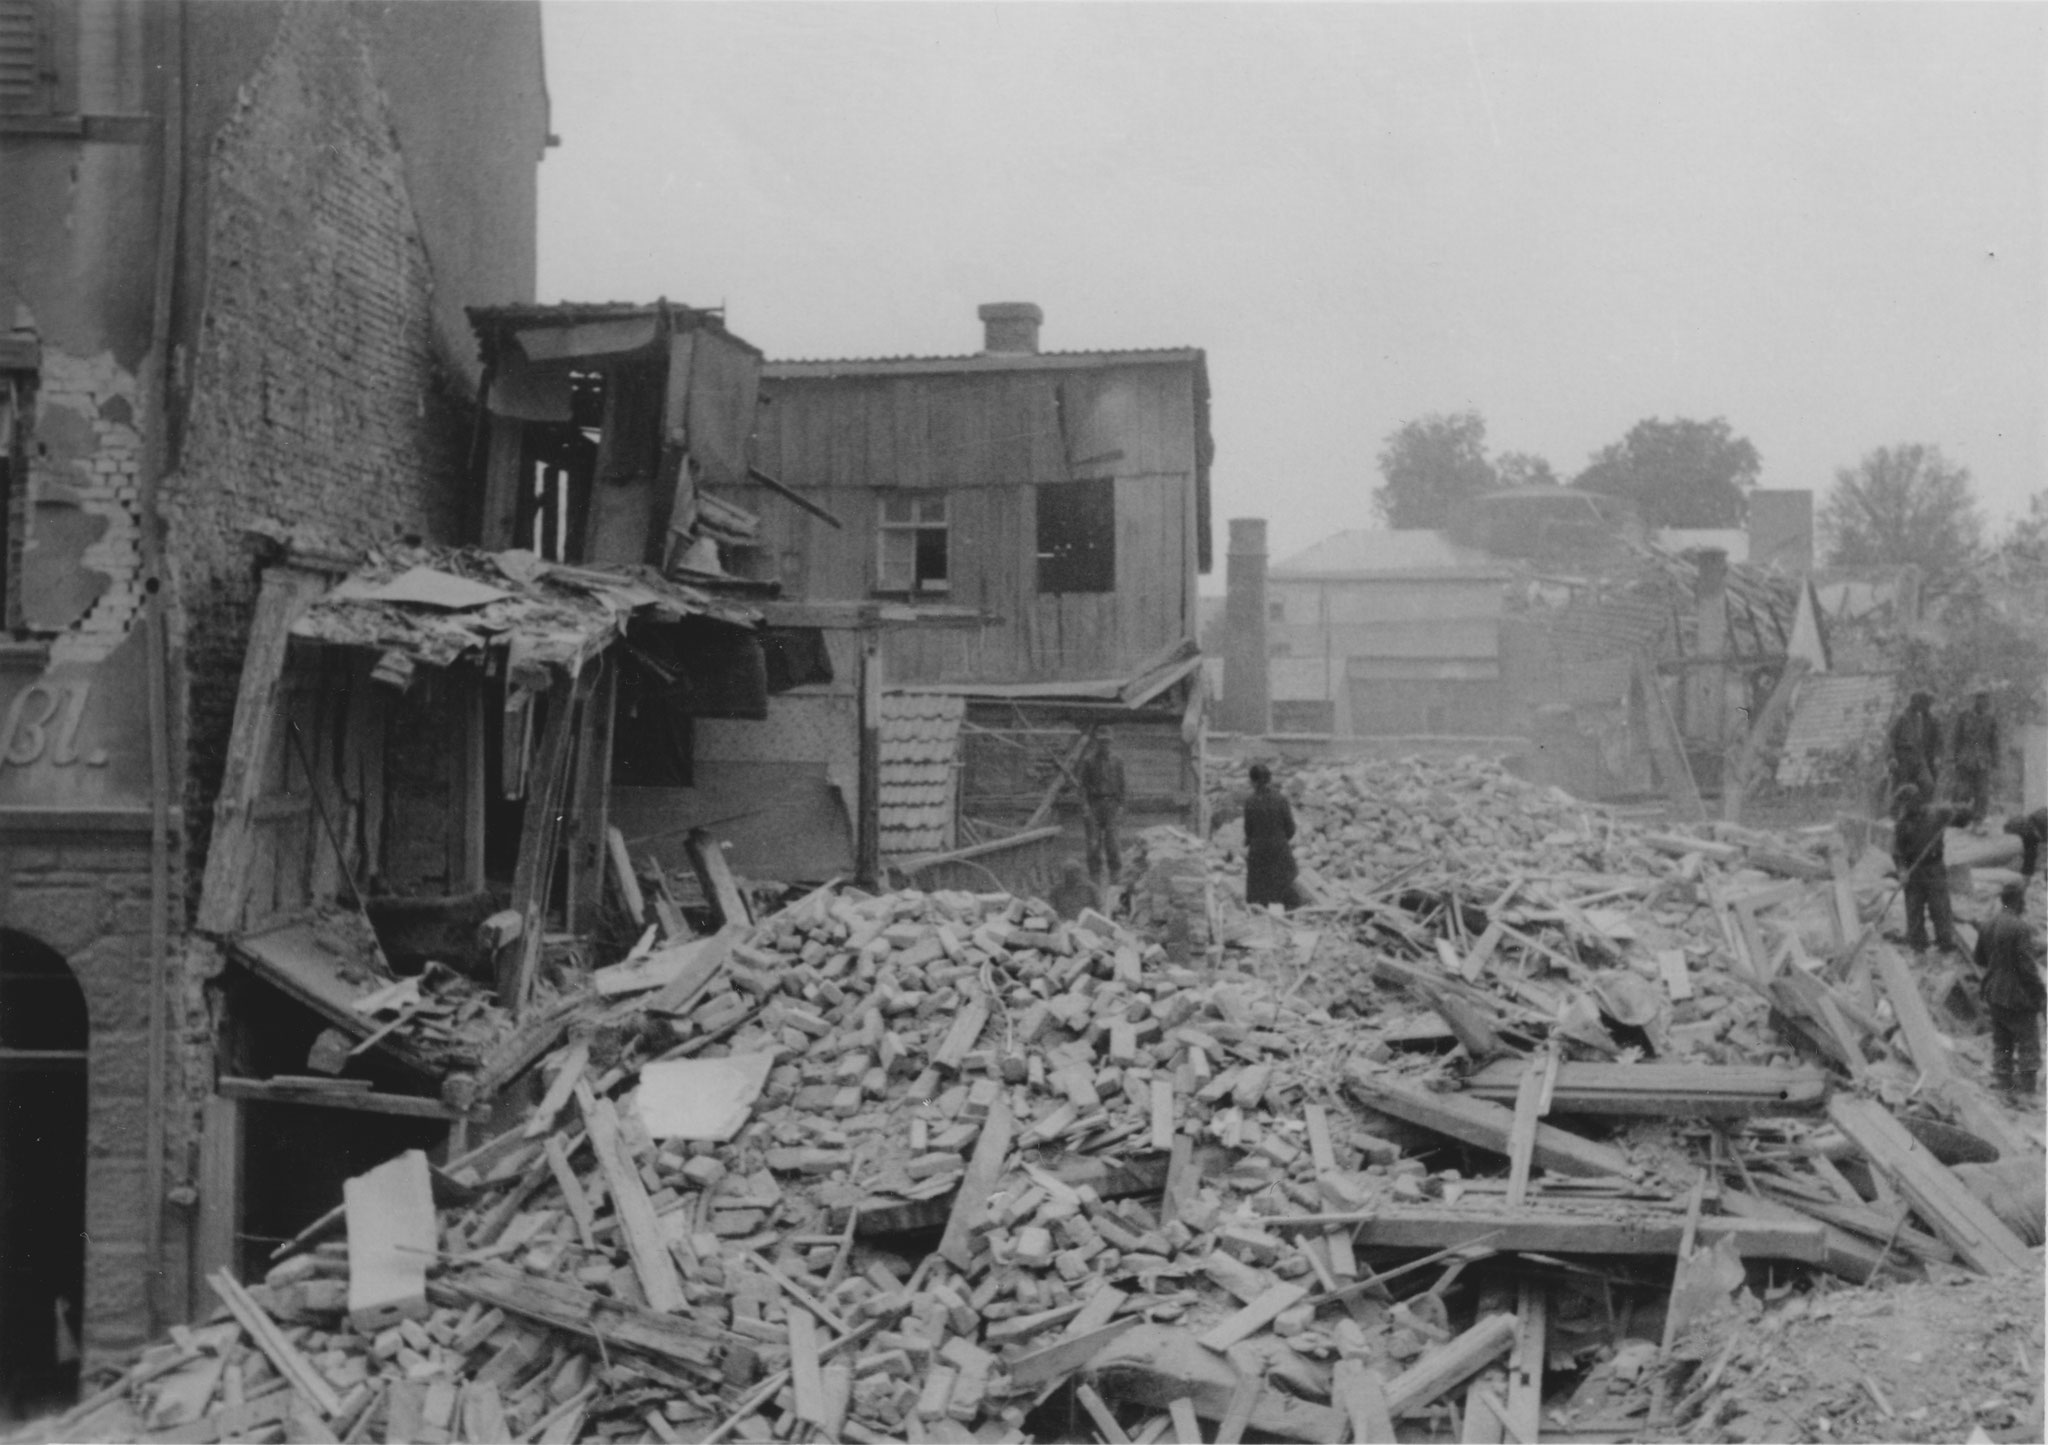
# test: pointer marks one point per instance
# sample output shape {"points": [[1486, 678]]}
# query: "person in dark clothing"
{"points": [[1973, 743], [1269, 870], [2032, 831], [1102, 803], [1920, 851], [1915, 746], [2013, 993]]}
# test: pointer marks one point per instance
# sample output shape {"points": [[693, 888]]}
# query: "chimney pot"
{"points": [[1010, 328]]}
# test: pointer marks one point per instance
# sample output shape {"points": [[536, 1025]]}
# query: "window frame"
{"points": [[1068, 563], [922, 528]]}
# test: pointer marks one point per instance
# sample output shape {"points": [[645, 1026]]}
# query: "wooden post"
{"points": [[539, 837], [868, 828], [220, 1189], [589, 818]]}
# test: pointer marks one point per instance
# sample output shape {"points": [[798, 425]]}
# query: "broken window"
{"points": [[559, 466], [911, 549], [1077, 536]]}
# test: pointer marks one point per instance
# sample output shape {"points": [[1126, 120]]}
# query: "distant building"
{"points": [[234, 252]]}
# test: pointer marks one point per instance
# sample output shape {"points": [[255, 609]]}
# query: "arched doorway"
{"points": [[42, 1176]]}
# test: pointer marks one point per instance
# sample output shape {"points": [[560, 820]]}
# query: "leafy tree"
{"points": [[1431, 464], [1900, 505], [2025, 543], [1679, 473], [1525, 469]]}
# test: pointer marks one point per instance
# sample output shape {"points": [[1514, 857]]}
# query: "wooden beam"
{"points": [[1964, 1223], [587, 820], [1842, 1253], [984, 1170], [1522, 1135], [708, 858], [363, 1101], [216, 1244], [264, 1333], [868, 823], [1924, 1041], [1563, 1231], [540, 831], [1524, 1419], [1488, 1126], [285, 595], [627, 881], [1448, 1364], [645, 1243]]}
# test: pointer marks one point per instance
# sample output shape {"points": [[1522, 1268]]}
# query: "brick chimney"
{"points": [[1247, 705], [1010, 328]]}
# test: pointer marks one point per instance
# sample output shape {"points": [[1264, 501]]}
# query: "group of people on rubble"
{"points": [[2008, 951]]}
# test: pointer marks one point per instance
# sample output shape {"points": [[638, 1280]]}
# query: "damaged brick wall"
{"points": [[318, 398]]}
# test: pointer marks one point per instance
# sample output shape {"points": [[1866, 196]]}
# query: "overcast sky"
{"points": [[1822, 222]]}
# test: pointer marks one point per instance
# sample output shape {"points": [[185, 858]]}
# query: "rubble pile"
{"points": [[1470, 1146]]}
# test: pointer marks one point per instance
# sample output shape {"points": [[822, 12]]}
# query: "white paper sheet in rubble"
{"points": [[705, 1099]]}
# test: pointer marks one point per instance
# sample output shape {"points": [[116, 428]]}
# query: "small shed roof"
{"points": [[1363, 551], [438, 605]]}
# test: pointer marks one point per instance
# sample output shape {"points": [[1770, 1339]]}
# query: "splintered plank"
{"points": [[267, 1337], [1924, 1041], [1522, 1138], [1254, 1316], [806, 1378], [1524, 1416], [1064, 1356], [1964, 1223], [391, 1240], [1559, 1230], [1361, 1392], [1187, 1426], [983, 1172], [708, 858], [645, 1243], [572, 1190], [1100, 1413], [1450, 1364], [559, 1090], [1486, 1125]]}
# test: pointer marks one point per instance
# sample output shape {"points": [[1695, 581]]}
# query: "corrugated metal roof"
{"points": [[1839, 714], [1375, 550], [789, 369]]}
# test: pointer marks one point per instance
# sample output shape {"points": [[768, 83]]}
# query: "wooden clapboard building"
{"points": [[1060, 501]]}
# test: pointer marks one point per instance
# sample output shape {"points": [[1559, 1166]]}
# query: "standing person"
{"points": [[1102, 800], [1973, 743], [1919, 849], [2009, 954], [2032, 831], [1916, 746], [1269, 870]]}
